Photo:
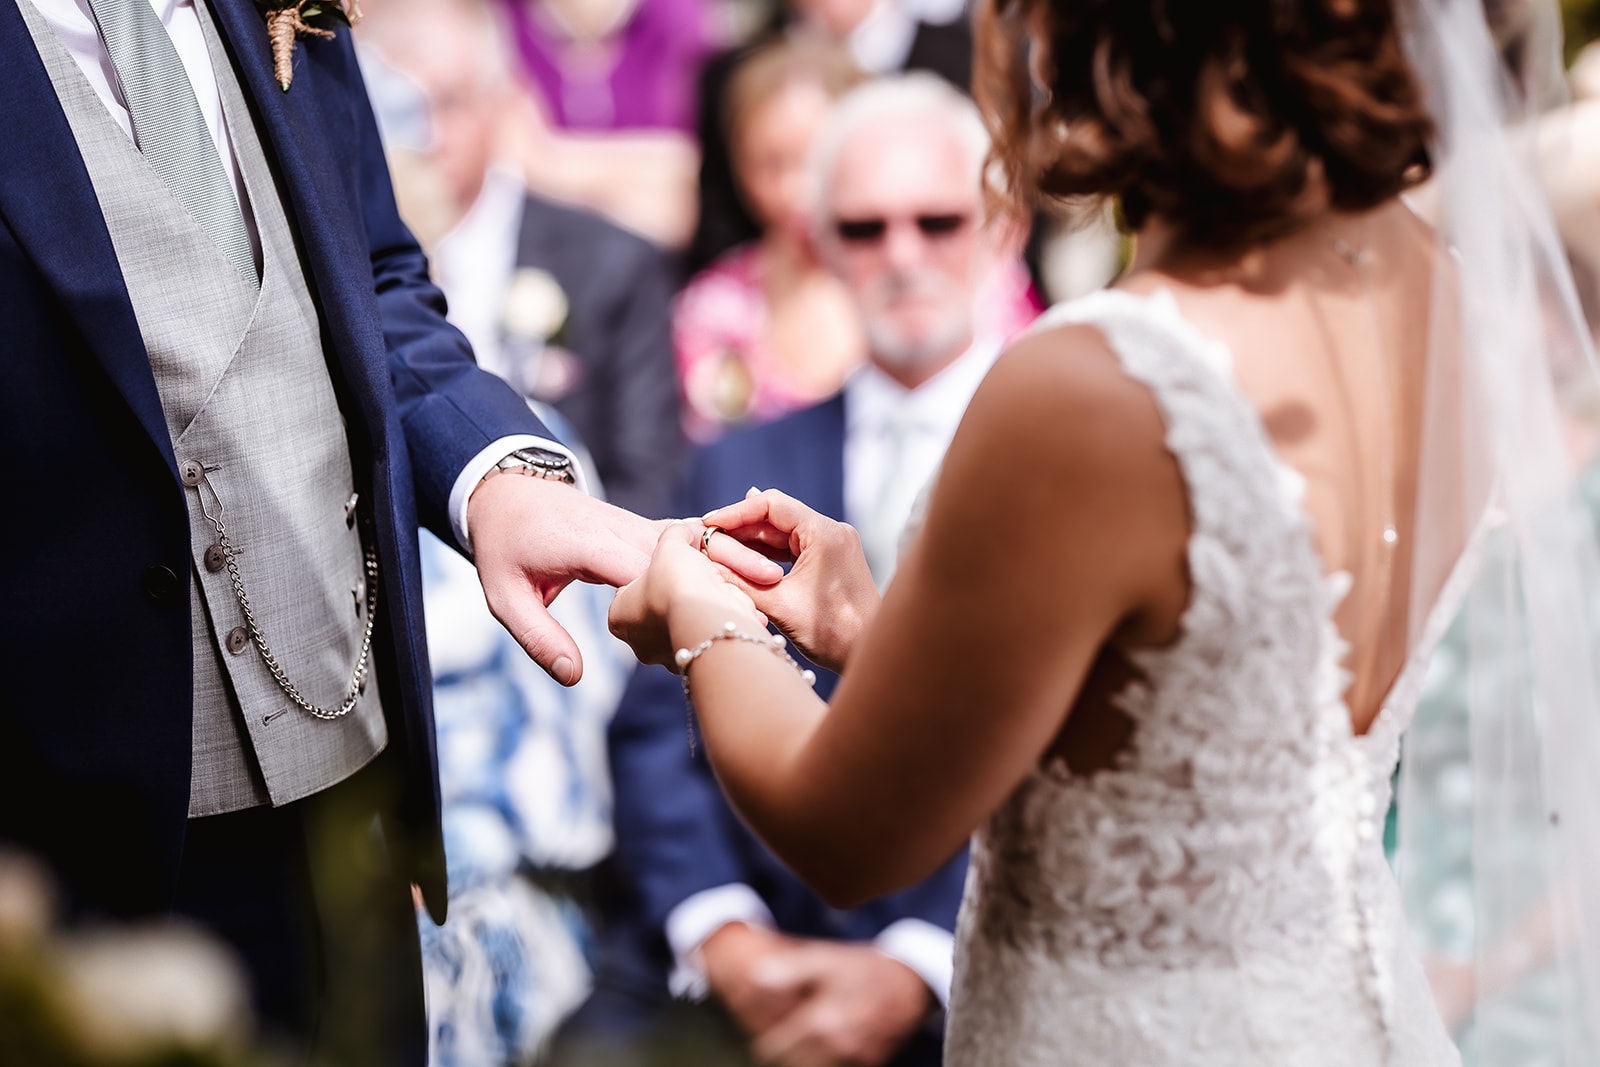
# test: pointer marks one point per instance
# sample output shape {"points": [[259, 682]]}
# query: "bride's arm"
{"points": [[1059, 520]]}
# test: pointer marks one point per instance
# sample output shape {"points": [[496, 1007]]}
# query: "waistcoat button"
{"points": [[237, 639], [191, 472], [214, 558], [159, 584]]}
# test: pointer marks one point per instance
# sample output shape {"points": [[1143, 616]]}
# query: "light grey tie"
{"points": [[168, 127], [880, 536]]}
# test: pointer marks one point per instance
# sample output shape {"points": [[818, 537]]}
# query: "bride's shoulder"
{"points": [[1061, 368], [1059, 405], [1074, 360], [1064, 454]]}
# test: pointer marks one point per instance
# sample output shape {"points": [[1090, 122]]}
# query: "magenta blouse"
{"points": [[642, 78]]}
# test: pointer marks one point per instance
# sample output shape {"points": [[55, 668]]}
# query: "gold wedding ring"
{"points": [[705, 538]]}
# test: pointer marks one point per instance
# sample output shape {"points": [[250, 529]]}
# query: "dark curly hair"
{"points": [[1236, 121]]}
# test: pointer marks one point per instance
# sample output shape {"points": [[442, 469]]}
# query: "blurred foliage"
{"points": [[39, 1027], [152, 996]]}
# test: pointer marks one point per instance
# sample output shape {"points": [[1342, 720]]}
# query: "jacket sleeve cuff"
{"points": [[483, 463], [927, 949], [690, 923]]}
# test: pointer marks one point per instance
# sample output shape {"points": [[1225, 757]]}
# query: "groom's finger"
{"points": [[523, 613], [745, 562]]}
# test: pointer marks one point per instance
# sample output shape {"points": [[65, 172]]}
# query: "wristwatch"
{"points": [[537, 463]]}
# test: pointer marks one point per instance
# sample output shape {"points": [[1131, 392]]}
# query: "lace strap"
{"points": [[1233, 476]]}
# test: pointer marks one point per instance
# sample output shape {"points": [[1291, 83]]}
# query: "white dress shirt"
{"points": [[872, 403], [74, 24], [881, 487], [474, 263]]}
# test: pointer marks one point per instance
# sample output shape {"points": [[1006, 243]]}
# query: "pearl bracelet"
{"points": [[774, 643]]}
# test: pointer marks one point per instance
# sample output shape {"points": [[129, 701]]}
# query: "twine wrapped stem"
{"points": [[287, 22]]}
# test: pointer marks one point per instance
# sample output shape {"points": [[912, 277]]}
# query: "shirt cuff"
{"points": [[696, 919], [927, 949], [484, 462]]}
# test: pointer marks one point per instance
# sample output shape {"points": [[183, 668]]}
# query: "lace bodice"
{"points": [[1219, 895]]}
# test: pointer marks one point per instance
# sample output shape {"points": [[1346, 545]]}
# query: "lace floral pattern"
{"points": [[1213, 897]]}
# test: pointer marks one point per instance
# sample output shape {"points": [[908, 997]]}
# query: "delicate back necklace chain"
{"points": [[1360, 258]]}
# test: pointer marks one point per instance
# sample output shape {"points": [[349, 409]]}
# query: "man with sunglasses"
{"points": [[706, 911]]}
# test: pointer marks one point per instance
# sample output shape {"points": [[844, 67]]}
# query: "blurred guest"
{"points": [[705, 909], [523, 778], [613, 64], [881, 36], [527, 811], [765, 330], [570, 309]]}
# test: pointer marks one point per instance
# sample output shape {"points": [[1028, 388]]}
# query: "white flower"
{"points": [[536, 307], [133, 990]]}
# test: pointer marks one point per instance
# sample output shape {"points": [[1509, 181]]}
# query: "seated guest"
{"points": [[765, 329], [881, 36], [602, 113], [602, 65], [703, 910], [573, 311], [524, 785]]}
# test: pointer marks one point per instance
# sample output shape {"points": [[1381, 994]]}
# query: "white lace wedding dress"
{"points": [[1220, 896]]}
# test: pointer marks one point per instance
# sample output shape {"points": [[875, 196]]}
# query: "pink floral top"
{"points": [[727, 371]]}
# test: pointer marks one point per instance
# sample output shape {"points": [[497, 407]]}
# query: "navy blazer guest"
{"points": [[676, 834], [622, 394]]}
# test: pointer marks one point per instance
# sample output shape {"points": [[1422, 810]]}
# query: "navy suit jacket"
{"points": [[95, 651], [624, 401], [676, 835]]}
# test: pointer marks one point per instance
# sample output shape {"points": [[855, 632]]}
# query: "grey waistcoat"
{"points": [[245, 388]]}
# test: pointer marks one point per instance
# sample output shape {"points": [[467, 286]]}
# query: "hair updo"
{"points": [[1236, 121]]}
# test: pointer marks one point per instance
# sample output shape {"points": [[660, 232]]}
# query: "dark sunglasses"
{"points": [[870, 231]]}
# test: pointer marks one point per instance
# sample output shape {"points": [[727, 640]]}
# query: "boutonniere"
{"points": [[533, 330], [287, 19], [536, 307]]}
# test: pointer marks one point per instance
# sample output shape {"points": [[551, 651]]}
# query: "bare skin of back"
{"points": [[1330, 347]]}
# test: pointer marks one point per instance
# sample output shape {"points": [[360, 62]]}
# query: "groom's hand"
{"points": [[531, 538]]}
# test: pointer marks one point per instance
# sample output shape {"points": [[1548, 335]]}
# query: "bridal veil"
{"points": [[1506, 762]]}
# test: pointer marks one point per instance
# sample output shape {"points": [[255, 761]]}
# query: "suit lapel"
{"points": [[291, 126], [829, 453], [49, 204], [533, 242]]}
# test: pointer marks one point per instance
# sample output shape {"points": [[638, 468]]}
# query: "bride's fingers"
{"points": [[769, 541], [626, 619], [756, 507], [772, 510], [751, 511], [683, 531]]}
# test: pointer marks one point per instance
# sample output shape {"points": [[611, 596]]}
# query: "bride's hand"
{"points": [[827, 599], [681, 585]]}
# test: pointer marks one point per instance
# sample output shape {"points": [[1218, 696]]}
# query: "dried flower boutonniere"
{"points": [[287, 19], [533, 335]]}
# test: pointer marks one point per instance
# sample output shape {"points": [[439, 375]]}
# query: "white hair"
{"points": [[897, 98]]}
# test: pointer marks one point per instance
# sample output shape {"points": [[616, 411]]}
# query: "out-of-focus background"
{"points": [[619, 199]]}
